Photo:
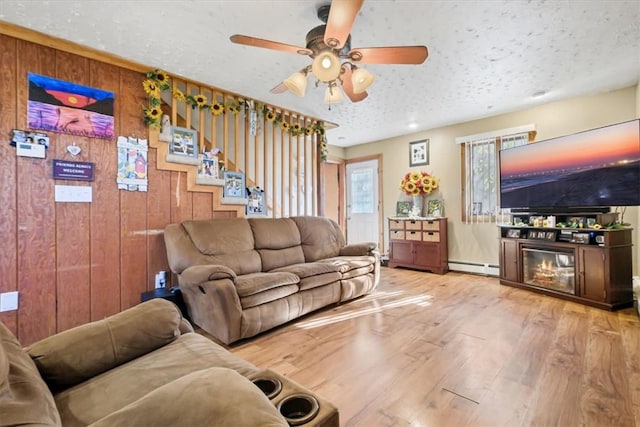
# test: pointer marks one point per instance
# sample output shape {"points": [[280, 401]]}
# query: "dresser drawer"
{"points": [[412, 225], [431, 225], [397, 234], [395, 224], [430, 236], [413, 235]]}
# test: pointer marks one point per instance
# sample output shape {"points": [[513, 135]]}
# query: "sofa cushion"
{"points": [[268, 296], [309, 269], [110, 391], [313, 274], [225, 241], [25, 399], [229, 400], [277, 242], [348, 263], [77, 354], [250, 284], [320, 237], [261, 288]]}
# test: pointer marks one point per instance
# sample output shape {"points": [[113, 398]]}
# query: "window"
{"points": [[362, 200], [480, 202]]}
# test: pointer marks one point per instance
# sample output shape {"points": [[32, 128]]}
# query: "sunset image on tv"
{"points": [[600, 167]]}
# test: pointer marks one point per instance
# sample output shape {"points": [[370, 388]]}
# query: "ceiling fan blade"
{"points": [[389, 55], [279, 88], [268, 44], [341, 16], [347, 86]]}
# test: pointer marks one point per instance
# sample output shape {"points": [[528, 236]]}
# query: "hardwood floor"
{"points": [[461, 350]]}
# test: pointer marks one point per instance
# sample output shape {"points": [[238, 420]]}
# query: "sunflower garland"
{"points": [[418, 183], [158, 81]]}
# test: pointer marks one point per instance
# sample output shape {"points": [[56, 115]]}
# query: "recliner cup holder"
{"points": [[298, 409], [271, 387]]}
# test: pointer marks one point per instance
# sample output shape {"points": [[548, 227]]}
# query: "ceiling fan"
{"points": [[334, 62]]}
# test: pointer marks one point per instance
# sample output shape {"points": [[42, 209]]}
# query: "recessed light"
{"points": [[539, 94], [413, 125]]}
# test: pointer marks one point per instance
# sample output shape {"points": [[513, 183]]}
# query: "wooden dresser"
{"points": [[419, 244]]}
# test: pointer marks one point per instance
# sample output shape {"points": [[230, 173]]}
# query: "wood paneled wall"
{"points": [[77, 262]]}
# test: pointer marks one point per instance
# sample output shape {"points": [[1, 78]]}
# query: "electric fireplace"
{"points": [[549, 268]]}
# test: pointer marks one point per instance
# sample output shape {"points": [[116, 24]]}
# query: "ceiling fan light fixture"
{"points": [[332, 95], [361, 79], [326, 66], [297, 83]]}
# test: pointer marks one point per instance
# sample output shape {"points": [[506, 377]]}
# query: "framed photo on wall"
{"points": [[419, 153]]}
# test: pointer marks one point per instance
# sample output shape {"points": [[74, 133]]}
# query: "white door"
{"points": [[362, 202]]}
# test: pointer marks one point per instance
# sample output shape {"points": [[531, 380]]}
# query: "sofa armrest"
{"points": [[357, 249], [219, 396], [197, 274], [80, 353]]}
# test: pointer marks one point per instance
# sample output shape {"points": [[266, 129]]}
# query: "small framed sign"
{"points": [[67, 169]]}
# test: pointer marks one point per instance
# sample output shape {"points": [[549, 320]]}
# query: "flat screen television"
{"points": [[586, 170]]}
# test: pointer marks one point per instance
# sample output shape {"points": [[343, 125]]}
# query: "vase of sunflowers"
{"points": [[417, 185]]}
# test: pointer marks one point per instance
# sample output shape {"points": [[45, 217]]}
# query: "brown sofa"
{"points": [[145, 367], [240, 277]]}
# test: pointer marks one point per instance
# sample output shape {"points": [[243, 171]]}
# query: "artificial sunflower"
{"points": [[425, 181], [284, 126], [308, 131], [153, 113], [162, 78], [178, 95], [270, 116], [410, 187], [151, 88], [217, 109], [324, 150], [296, 129], [433, 182], [200, 100], [415, 177]]}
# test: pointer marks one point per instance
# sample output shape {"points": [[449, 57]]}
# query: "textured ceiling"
{"points": [[485, 57]]}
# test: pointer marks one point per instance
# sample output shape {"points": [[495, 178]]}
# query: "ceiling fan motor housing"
{"points": [[315, 43]]}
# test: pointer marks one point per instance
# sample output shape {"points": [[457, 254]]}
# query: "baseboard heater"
{"points": [[475, 268]]}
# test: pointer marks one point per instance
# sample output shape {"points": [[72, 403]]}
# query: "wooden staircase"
{"points": [[285, 165]]}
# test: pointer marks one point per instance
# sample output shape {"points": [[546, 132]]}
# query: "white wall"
{"points": [[479, 242]]}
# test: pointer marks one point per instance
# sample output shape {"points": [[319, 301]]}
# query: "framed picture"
{"points": [[551, 235], [435, 208], [419, 153], [233, 185], [513, 233], [403, 209], [256, 201], [184, 142]]}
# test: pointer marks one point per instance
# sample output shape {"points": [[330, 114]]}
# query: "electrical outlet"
{"points": [[9, 301]]}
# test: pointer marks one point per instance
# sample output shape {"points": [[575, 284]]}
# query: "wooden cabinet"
{"points": [[419, 244], [509, 265], [593, 269]]}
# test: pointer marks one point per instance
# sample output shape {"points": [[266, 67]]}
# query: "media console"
{"points": [[580, 261]]}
